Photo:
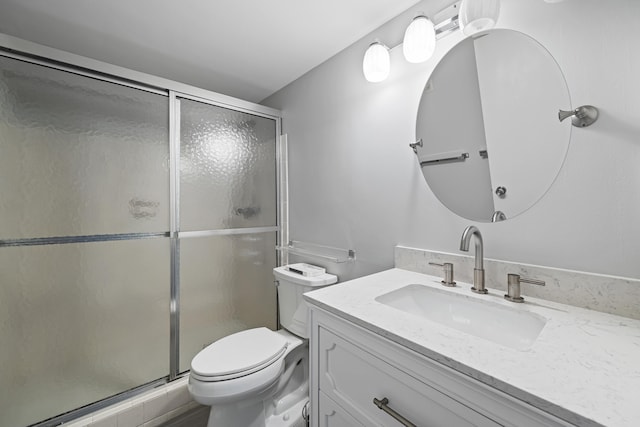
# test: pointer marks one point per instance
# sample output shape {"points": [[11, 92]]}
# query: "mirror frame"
{"points": [[461, 168]]}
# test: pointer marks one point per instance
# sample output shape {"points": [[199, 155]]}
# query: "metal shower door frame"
{"points": [[25, 51], [176, 234]]}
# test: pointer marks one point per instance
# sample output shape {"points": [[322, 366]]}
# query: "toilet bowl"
{"points": [[258, 377]]}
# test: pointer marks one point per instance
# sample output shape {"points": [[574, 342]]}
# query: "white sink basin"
{"points": [[507, 326]]}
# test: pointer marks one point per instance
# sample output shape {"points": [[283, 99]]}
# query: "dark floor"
{"points": [[196, 417]]}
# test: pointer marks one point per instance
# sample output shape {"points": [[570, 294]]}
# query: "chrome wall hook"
{"points": [[580, 117]]}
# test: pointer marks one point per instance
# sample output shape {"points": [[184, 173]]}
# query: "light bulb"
{"points": [[376, 63], [478, 15], [419, 40]]}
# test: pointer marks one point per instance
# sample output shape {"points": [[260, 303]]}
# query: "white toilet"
{"points": [[258, 377]]}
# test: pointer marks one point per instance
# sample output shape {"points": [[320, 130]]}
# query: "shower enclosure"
{"points": [[137, 225]]}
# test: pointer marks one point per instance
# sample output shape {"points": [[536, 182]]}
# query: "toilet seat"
{"points": [[239, 355]]}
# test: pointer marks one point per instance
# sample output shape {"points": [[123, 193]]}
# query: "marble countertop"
{"points": [[584, 367]]}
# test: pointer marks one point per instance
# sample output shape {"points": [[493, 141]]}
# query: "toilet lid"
{"points": [[239, 354]]}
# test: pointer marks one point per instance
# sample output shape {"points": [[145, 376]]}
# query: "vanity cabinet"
{"points": [[351, 366]]}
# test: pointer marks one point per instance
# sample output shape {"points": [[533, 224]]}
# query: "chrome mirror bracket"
{"points": [[581, 117]]}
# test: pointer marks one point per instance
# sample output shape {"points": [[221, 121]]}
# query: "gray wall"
{"points": [[355, 183]]}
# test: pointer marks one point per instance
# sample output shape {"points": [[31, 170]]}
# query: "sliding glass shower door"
{"points": [[84, 259], [227, 224], [136, 227]]}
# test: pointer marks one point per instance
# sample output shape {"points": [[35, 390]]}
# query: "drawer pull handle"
{"points": [[382, 404]]}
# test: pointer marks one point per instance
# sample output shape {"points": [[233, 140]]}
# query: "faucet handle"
{"points": [[513, 286], [447, 267]]}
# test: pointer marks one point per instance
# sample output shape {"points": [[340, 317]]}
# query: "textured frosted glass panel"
{"points": [[79, 156], [226, 286], [80, 322], [227, 168]]}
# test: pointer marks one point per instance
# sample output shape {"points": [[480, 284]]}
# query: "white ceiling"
{"points": [[243, 48]]}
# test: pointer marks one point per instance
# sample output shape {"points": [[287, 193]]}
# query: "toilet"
{"points": [[258, 377]]}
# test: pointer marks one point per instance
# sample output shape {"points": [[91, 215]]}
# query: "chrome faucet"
{"points": [[478, 271]]}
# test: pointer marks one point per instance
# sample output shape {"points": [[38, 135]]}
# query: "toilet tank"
{"points": [[291, 286]]}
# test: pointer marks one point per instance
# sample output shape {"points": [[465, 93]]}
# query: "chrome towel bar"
{"points": [[453, 156]]}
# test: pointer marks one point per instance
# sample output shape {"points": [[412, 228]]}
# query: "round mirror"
{"points": [[490, 143]]}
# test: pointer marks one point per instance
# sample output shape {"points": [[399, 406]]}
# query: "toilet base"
{"points": [[292, 417], [236, 415]]}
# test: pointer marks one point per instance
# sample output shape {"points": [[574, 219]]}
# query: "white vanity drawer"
{"points": [[353, 377], [333, 415]]}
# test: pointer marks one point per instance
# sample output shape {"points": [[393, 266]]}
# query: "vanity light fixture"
{"points": [[377, 62], [478, 15], [419, 40]]}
